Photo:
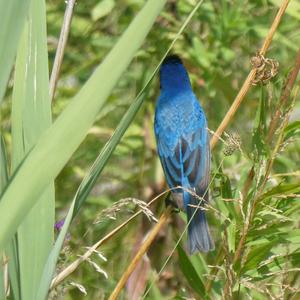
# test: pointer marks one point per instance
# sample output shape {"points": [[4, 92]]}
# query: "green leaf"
{"points": [[292, 129], [12, 16], [50, 265], [102, 9], [31, 116], [257, 255], [3, 182], [260, 128], [3, 165], [282, 189], [190, 273]]}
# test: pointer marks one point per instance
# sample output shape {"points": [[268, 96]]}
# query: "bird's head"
{"points": [[173, 75]]}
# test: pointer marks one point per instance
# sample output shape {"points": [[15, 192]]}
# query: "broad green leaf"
{"points": [[190, 273], [97, 167], [31, 116], [12, 16]]}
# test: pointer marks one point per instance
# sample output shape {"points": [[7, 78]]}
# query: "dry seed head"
{"points": [[233, 143], [266, 68], [123, 205]]}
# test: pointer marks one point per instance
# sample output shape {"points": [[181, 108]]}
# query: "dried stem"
{"points": [[61, 47], [145, 246], [247, 84]]}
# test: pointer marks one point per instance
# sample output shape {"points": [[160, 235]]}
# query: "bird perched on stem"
{"points": [[183, 148]]}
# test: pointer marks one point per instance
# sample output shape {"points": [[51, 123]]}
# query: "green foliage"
{"points": [[101, 147], [190, 273], [13, 15]]}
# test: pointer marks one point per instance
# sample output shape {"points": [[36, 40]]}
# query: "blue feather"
{"points": [[183, 147]]}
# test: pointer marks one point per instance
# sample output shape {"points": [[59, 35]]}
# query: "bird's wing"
{"points": [[189, 161]]}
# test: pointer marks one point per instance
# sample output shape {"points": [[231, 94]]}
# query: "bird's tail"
{"points": [[199, 238]]}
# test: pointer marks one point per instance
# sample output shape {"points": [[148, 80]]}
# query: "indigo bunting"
{"points": [[183, 147]]}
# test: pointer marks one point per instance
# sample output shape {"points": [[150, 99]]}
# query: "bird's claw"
{"points": [[173, 203]]}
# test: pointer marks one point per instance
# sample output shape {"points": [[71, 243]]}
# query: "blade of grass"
{"points": [[12, 16], [3, 182], [3, 166], [31, 116], [190, 273], [50, 265]]}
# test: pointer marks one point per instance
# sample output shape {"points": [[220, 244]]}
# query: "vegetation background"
{"points": [[216, 47]]}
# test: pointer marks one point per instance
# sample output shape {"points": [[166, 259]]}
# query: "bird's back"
{"points": [[180, 123]]}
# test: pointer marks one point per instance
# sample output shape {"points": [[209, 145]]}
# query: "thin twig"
{"points": [[145, 246], [61, 47], [247, 84]]}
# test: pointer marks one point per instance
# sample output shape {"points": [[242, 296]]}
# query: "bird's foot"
{"points": [[173, 203]]}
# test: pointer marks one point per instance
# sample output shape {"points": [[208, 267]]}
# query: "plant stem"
{"points": [[145, 246], [61, 47]]}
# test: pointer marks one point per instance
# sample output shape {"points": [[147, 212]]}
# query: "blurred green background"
{"points": [[216, 48]]}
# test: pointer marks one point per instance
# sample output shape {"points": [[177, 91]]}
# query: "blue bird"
{"points": [[183, 147]]}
